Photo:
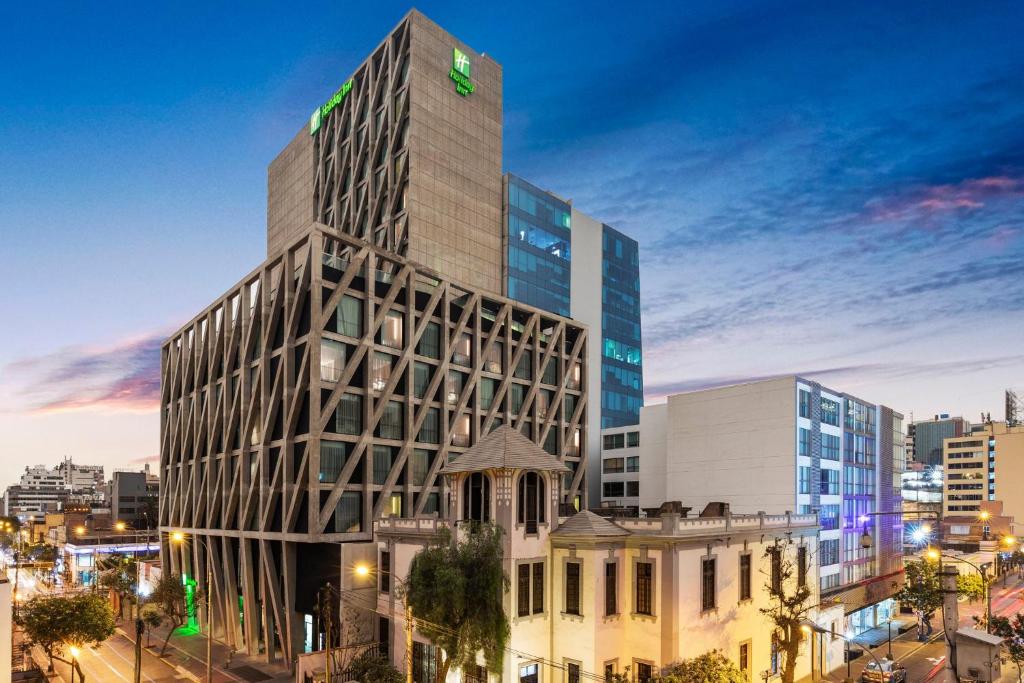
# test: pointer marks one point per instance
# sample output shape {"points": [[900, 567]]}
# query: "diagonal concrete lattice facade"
{"points": [[326, 390]]}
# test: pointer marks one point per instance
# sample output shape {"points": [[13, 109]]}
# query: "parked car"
{"points": [[890, 671]]}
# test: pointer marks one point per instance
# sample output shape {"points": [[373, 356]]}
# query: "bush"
{"points": [[371, 668]]}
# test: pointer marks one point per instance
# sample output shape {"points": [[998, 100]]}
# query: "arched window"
{"points": [[531, 501], [476, 498]]}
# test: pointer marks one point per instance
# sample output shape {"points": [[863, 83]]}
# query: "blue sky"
{"points": [[829, 189]]}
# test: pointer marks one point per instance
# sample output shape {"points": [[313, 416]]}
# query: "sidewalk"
{"points": [[187, 648]]}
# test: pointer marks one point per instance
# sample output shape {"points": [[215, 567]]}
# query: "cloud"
{"points": [[118, 378], [930, 201], [876, 372]]}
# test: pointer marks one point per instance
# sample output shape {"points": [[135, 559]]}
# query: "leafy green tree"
{"points": [[168, 597], [152, 618], [921, 592], [455, 591], [54, 622], [788, 607], [1011, 630], [710, 667], [970, 586], [371, 667], [118, 576]]}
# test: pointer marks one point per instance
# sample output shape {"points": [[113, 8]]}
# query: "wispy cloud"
{"points": [[930, 201], [122, 377]]}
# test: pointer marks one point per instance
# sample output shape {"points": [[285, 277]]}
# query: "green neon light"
{"points": [[190, 602], [321, 112], [460, 72]]}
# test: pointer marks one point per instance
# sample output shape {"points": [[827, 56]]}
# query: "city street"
{"points": [[114, 660], [924, 661]]}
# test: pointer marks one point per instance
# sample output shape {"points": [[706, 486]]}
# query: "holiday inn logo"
{"points": [[460, 61], [460, 72], [321, 112]]}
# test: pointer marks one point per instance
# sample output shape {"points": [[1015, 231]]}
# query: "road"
{"points": [[924, 661], [114, 661]]}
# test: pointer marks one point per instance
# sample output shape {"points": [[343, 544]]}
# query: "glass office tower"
{"points": [[622, 387], [539, 240]]}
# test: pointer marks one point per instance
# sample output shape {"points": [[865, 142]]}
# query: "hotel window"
{"points": [[550, 374], [707, 584], [453, 386], [383, 458], [488, 387], [804, 480], [801, 566], [421, 376], [380, 370], [745, 577], [538, 587], [420, 466], [531, 501], [745, 658], [570, 408], [462, 354], [572, 588], [348, 516], [460, 431], [611, 597], [391, 332], [776, 570], [544, 397], [805, 403], [524, 368], [332, 460], [430, 342], [476, 498], [493, 362], [518, 395], [523, 591], [391, 422], [348, 418], [644, 587], [613, 465], [349, 317], [384, 571], [804, 442], [430, 431], [332, 360]]}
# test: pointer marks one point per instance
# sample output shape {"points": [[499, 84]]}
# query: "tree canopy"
{"points": [[455, 591], [710, 667], [789, 604], [168, 597], [1011, 630], [370, 667], [54, 622]]}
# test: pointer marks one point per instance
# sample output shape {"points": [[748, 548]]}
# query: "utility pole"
{"points": [[328, 626], [950, 611], [408, 641]]}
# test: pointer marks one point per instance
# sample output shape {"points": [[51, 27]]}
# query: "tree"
{"points": [[371, 667], [152, 618], [1011, 630], [455, 591], [168, 597], [922, 593], [119, 578], [710, 667], [970, 586], [789, 604], [53, 622]]}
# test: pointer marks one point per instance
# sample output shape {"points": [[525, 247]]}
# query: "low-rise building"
{"points": [[986, 464], [134, 498], [592, 596]]}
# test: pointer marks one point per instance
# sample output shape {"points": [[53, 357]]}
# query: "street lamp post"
{"points": [[363, 570], [179, 537]]}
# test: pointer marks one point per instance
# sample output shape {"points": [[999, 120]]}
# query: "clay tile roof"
{"points": [[586, 523], [505, 448]]}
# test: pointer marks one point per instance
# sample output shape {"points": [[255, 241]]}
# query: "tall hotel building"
{"points": [[790, 445], [562, 260], [394, 323]]}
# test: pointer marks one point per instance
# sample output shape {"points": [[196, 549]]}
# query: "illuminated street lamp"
{"points": [[80, 530], [120, 526]]}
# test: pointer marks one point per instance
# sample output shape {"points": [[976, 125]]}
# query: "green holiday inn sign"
{"points": [[460, 72], [321, 112]]}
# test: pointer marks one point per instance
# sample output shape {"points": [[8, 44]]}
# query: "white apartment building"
{"points": [[791, 445], [620, 467], [590, 596], [43, 489]]}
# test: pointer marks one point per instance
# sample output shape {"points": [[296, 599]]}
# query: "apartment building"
{"points": [[791, 445], [985, 464], [620, 467]]}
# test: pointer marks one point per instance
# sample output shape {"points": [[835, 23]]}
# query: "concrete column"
{"points": [[950, 611]]}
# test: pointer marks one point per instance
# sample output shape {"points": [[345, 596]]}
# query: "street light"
{"points": [[362, 570], [120, 526], [80, 530], [179, 537], [74, 664]]}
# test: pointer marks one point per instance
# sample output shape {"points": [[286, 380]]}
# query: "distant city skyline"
{"points": [[833, 192]]}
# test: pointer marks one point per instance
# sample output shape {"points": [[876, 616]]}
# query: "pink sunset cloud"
{"points": [[933, 200]]}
